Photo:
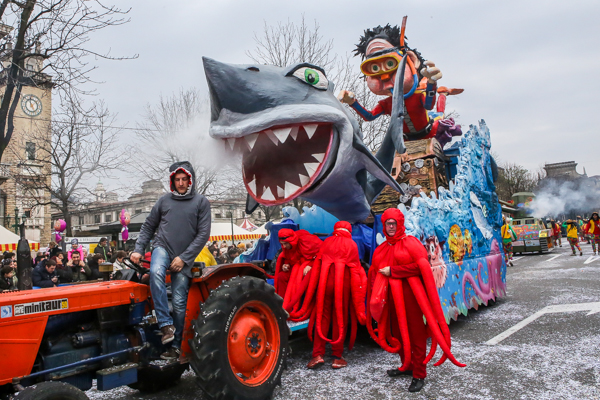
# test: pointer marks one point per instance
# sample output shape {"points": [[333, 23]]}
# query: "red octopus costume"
{"points": [[341, 278], [399, 302], [292, 284]]}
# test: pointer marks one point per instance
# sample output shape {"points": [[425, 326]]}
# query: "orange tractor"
{"points": [[54, 342]]}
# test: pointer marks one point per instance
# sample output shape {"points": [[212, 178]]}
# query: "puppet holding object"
{"points": [[382, 48]]}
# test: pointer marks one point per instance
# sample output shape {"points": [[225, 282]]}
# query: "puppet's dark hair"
{"points": [[388, 33]]}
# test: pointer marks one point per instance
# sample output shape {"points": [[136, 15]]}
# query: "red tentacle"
{"points": [[309, 298], [434, 300], [302, 286], [291, 288], [321, 297], [369, 321], [398, 297], [422, 299], [432, 350], [358, 282], [342, 294]]}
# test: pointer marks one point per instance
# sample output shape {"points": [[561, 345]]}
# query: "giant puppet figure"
{"points": [[401, 291], [382, 49], [297, 140]]}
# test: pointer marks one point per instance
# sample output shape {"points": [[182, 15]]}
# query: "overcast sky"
{"points": [[529, 68]]}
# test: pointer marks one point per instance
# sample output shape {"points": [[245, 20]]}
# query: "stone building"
{"points": [[563, 170], [25, 168], [87, 218]]}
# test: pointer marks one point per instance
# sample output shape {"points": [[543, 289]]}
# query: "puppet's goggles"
{"points": [[381, 64]]}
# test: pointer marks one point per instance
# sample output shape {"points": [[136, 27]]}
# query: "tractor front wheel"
{"points": [[241, 340], [51, 391]]}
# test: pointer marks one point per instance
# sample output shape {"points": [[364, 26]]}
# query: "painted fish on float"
{"points": [[297, 140]]}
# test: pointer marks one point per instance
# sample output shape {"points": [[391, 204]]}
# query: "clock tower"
{"points": [[25, 172]]}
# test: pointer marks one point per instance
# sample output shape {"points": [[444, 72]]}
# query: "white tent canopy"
{"points": [[9, 241], [261, 230], [222, 231]]}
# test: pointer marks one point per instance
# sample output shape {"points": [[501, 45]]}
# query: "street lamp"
{"points": [[231, 218], [17, 224]]}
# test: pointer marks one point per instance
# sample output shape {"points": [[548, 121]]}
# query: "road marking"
{"points": [[593, 308], [552, 258], [591, 259], [517, 258]]}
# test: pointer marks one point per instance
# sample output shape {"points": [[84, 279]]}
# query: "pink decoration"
{"points": [[125, 219]]}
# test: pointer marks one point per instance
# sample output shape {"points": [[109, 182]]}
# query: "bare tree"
{"points": [[288, 43], [50, 48], [82, 143], [514, 178], [170, 133]]}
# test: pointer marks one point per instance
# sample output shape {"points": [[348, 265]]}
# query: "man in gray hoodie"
{"points": [[181, 221]]}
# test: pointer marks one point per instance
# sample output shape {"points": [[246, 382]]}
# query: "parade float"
{"points": [[295, 139]]}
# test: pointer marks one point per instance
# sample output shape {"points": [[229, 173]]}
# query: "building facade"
{"points": [[25, 171]]}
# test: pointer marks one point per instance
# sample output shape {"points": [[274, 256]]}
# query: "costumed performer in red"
{"points": [[341, 294], [401, 292], [293, 269]]}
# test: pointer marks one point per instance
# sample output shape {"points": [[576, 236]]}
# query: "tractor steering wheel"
{"points": [[137, 267]]}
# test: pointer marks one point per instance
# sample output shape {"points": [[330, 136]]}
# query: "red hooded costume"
{"points": [[341, 278], [399, 302], [292, 284]]}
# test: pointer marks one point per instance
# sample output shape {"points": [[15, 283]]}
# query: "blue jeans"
{"points": [[180, 285]]}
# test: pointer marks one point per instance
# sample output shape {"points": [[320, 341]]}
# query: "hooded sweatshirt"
{"points": [[181, 221]]}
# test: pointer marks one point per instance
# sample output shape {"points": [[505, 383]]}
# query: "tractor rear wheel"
{"points": [[240, 345], [51, 391]]}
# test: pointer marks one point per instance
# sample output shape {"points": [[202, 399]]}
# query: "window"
{"points": [[529, 221], [393, 171], [228, 215], [108, 217], [138, 211], [97, 218], [81, 219], [259, 215], [218, 216], [30, 150]]}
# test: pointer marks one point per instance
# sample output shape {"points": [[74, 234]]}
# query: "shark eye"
{"points": [[312, 77]]}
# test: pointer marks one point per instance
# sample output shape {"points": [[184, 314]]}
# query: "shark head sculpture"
{"points": [[296, 139]]}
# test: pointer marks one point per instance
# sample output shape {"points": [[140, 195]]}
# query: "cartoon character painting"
{"points": [[456, 243], [436, 259]]}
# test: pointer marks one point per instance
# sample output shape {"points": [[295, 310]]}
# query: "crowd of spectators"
{"points": [[54, 267]]}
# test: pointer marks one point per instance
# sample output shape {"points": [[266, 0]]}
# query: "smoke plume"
{"points": [[566, 198]]}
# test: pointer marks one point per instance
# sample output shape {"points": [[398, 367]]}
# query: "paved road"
{"points": [[556, 356]]}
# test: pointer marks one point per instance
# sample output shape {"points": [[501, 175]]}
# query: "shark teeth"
{"points": [[252, 185], [251, 140], [272, 136], [282, 133], [267, 195], [310, 129], [281, 162], [311, 168], [319, 157], [290, 189]]}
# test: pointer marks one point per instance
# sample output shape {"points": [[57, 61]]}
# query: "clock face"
{"points": [[31, 105]]}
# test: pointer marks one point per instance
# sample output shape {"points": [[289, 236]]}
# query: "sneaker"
{"points": [[416, 385], [581, 253], [315, 362], [168, 334], [172, 354], [339, 363], [510, 264], [573, 254]]}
